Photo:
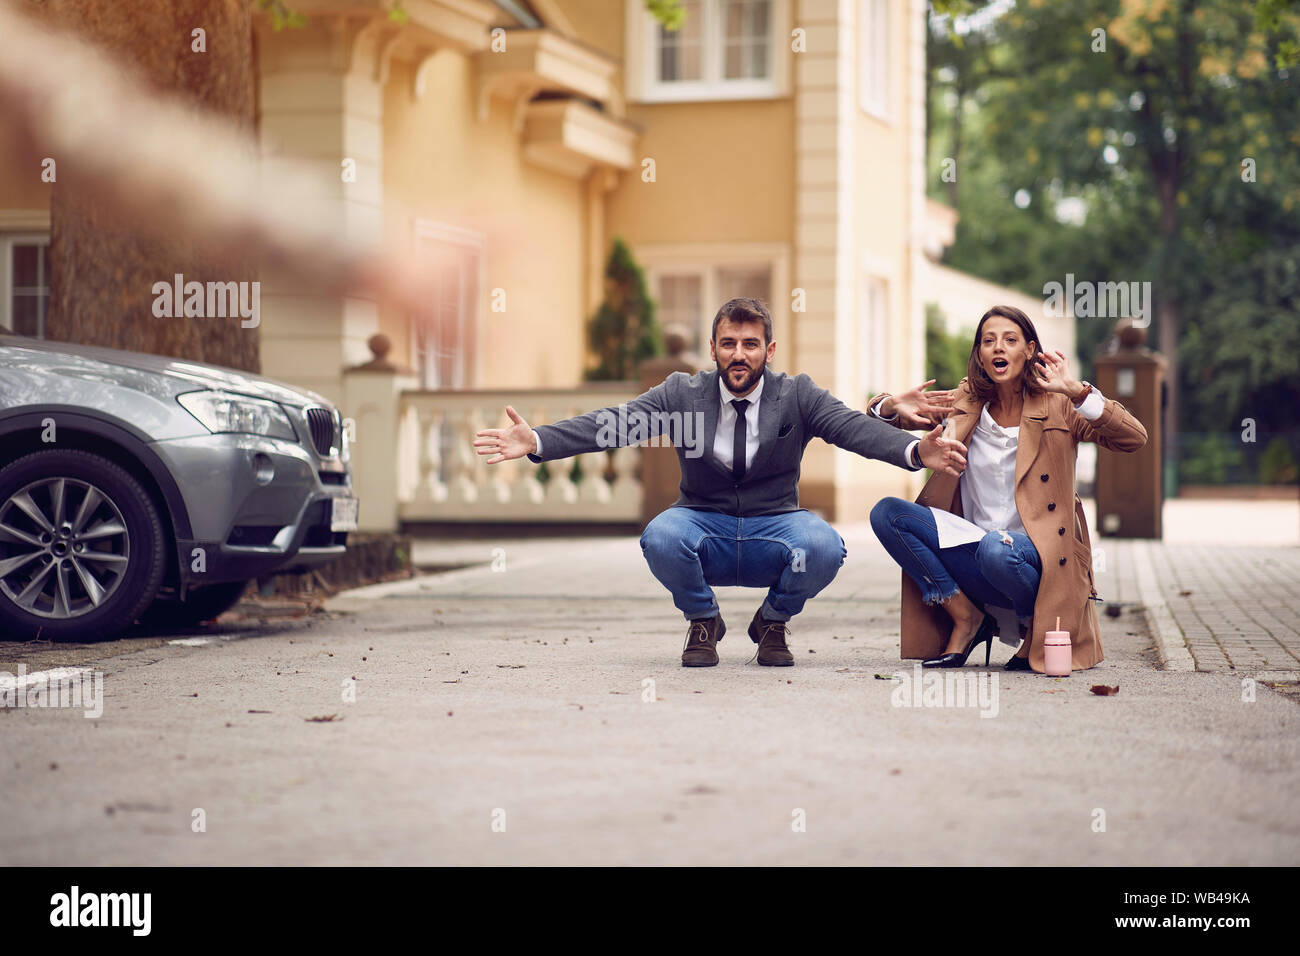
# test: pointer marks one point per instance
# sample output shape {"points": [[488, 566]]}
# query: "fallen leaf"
{"points": [[886, 677], [513, 667], [326, 719], [1101, 690], [259, 711]]}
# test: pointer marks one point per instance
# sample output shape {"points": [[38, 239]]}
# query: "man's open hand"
{"points": [[941, 454], [506, 443], [918, 408]]}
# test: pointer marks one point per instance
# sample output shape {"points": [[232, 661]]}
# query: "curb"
{"points": [[1170, 644]]}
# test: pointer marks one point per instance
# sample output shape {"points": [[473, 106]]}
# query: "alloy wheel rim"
{"points": [[64, 548]]}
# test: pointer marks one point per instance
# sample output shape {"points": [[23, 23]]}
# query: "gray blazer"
{"points": [[684, 409]]}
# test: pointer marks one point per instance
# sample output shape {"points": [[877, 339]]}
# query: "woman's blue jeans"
{"points": [[988, 571], [794, 555]]}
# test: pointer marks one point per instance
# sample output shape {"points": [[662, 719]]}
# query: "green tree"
{"points": [[946, 356], [1131, 140], [623, 332]]}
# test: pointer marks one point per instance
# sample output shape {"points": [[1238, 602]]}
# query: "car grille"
{"points": [[321, 423]]}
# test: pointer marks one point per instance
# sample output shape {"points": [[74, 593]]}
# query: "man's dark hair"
{"points": [[745, 310]]}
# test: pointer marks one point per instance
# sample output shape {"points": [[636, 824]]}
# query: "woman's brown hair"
{"points": [[978, 380]]}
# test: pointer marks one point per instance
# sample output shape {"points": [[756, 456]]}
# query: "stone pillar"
{"points": [[823, 250], [1130, 498], [321, 105], [372, 397]]}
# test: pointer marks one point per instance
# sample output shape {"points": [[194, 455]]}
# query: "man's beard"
{"points": [[747, 382]]}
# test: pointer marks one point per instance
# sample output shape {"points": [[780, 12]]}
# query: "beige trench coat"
{"points": [[1049, 508]]}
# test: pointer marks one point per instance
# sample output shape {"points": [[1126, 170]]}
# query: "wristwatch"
{"points": [[1087, 390]]}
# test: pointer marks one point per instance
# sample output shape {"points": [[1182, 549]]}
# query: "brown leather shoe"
{"points": [[702, 638], [770, 638]]}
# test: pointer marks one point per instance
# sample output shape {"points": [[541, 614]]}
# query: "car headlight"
{"points": [[224, 412]]}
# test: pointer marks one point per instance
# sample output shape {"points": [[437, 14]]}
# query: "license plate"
{"points": [[343, 517]]}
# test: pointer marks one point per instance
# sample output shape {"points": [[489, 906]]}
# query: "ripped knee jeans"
{"points": [[989, 571]]}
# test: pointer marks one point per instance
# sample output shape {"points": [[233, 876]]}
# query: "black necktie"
{"points": [[738, 440]]}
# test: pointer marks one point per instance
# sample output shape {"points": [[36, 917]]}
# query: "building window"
{"points": [[747, 35], [681, 51], [873, 336], [873, 57], [444, 343], [690, 296], [681, 302], [725, 49], [24, 284]]}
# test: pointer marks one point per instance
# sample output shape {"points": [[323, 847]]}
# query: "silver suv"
{"points": [[136, 485]]}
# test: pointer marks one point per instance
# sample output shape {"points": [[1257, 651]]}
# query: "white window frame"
{"points": [[873, 328], [707, 260], [475, 243], [873, 58], [7, 242], [642, 60]]}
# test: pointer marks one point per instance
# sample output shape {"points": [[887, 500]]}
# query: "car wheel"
{"points": [[81, 547], [200, 604]]}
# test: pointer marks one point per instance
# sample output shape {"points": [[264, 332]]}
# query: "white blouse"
{"points": [[988, 497]]}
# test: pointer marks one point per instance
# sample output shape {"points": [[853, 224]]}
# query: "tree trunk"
{"points": [[101, 275]]}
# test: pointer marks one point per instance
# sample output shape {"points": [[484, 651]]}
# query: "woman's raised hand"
{"points": [[506, 443], [1052, 373]]}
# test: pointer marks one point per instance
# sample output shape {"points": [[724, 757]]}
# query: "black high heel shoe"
{"points": [[983, 636], [1017, 664]]}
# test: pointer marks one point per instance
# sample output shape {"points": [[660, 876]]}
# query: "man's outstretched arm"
{"points": [[595, 431], [831, 420], [915, 408]]}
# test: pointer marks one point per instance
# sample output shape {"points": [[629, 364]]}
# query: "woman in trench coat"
{"points": [[1046, 525]]}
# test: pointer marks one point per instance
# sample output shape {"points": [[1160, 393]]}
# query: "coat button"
{"points": [[1062, 561], [1042, 477], [1060, 531], [1051, 506]]}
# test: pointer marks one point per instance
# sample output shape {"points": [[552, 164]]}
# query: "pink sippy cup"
{"points": [[1057, 652]]}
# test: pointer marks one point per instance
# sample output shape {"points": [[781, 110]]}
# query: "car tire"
{"points": [[84, 583], [200, 604]]}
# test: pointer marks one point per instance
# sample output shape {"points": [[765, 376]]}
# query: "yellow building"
{"points": [[772, 148]]}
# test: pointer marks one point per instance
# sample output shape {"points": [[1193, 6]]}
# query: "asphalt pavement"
{"points": [[531, 709]]}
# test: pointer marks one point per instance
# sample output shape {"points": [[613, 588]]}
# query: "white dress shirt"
{"points": [[724, 437], [988, 497]]}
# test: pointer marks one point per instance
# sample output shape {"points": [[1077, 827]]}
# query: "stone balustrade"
{"points": [[441, 477]]}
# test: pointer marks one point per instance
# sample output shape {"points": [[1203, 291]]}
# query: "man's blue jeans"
{"points": [[794, 555], [988, 571]]}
